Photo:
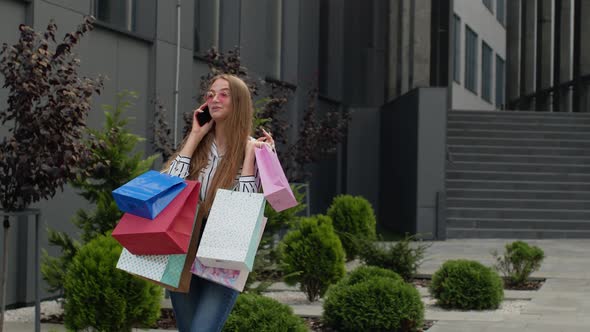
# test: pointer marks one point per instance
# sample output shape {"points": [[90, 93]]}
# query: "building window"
{"points": [[129, 15], [324, 51], [486, 72], [206, 25], [275, 32], [196, 27], [119, 13], [457, 49], [470, 59], [489, 4], [500, 82], [500, 12]]}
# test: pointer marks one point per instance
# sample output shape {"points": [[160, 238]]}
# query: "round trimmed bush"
{"points": [[469, 285], [312, 256], [375, 304], [101, 297], [258, 313], [354, 222], [364, 273]]}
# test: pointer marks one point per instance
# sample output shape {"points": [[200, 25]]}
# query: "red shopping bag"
{"points": [[169, 233]]}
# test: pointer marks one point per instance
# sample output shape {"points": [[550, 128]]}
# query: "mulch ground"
{"points": [[315, 324], [167, 321], [529, 285]]}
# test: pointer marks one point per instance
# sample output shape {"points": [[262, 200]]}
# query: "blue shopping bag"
{"points": [[148, 194]]}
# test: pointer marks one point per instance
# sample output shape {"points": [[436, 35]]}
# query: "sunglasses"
{"points": [[221, 95]]}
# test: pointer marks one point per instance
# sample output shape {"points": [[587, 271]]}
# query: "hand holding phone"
{"points": [[204, 116]]}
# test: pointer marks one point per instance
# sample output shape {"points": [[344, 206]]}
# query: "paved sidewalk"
{"points": [[562, 304], [30, 327]]}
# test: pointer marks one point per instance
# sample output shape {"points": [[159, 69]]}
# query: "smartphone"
{"points": [[204, 116]]}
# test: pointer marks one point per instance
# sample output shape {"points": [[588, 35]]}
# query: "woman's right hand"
{"points": [[196, 135], [197, 129]]}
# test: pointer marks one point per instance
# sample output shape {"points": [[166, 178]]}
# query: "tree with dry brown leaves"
{"points": [[48, 103]]}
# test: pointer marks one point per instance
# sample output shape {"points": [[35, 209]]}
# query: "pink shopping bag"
{"points": [[274, 182]]}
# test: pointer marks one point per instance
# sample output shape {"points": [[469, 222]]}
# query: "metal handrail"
{"points": [[550, 91]]}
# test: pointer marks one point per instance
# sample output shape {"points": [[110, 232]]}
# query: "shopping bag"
{"points": [[230, 237], [172, 272], [168, 233], [235, 279], [275, 186], [148, 194]]}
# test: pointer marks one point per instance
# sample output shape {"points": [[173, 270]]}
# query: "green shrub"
{"points": [[258, 313], [464, 284], [278, 220], [404, 257], [376, 304], [354, 221], [104, 298], [115, 158], [266, 265], [312, 256], [364, 273], [519, 261]]}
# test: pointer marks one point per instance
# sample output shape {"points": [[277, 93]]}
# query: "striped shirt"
{"points": [[180, 167]]}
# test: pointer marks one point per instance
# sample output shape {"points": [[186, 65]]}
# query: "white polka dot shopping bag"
{"points": [[231, 236]]}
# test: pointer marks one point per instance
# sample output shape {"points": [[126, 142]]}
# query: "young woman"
{"points": [[218, 154]]}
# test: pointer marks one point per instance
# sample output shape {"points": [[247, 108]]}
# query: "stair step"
{"points": [[518, 174], [516, 213], [511, 233], [516, 168], [518, 134], [519, 142], [518, 194], [519, 151], [516, 185], [518, 203], [516, 115], [521, 159], [547, 177], [526, 120], [507, 124], [491, 223]]}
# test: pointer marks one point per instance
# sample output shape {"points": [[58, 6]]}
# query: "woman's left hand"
{"points": [[267, 138], [251, 146]]}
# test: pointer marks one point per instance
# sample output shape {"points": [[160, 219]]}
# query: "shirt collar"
{"points": [[214, 150]]}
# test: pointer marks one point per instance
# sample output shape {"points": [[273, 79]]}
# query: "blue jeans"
{"points": [[204, 308]]}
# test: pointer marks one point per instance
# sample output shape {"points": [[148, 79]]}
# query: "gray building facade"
{"points": [[361, 56], [548, 55]]}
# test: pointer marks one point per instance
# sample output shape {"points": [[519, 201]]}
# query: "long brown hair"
{"points": [[239, 128]]}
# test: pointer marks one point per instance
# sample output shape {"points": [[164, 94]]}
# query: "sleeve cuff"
{"points": [[183, 159], [247, 178]]}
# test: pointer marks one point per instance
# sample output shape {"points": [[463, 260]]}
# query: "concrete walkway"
{"points": [[562, 304]]}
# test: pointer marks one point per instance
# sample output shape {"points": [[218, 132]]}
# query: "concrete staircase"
{"points": [[518, 175]]}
